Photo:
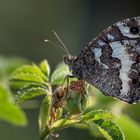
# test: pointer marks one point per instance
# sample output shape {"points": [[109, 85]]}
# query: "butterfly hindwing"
{"points": [[115, 73]]}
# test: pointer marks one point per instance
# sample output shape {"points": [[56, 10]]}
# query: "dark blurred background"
{"points": [[24, 24]]}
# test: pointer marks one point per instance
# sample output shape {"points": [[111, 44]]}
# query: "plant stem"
{"points": [[45, 134]]}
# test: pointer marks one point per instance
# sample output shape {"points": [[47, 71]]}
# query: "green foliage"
{"points": [[8, 110], [59, 74], [29, 92], [77, 102], [64, 123], [45, 110], [100, 118], [33, 79], [130, 127], [44, 66], [35, 82], [97, 115], [109, 129], [29, 73]]}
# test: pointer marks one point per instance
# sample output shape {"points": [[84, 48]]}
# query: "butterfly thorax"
{"points": [[74, 67]]}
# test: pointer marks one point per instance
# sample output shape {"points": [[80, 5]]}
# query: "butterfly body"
{"points": [[111, 61]]}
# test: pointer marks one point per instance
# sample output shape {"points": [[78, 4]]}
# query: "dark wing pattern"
{"points": [[111, 61]]}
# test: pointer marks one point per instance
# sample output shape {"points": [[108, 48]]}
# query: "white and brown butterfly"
{"points": [[111, 61]]}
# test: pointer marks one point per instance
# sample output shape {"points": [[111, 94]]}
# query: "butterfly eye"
{"points": [[134, 30]]}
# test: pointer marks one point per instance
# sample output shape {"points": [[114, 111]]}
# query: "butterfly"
{"points": [[111, 61]]}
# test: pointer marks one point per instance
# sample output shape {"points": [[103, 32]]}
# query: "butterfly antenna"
{"points": [[63, 45]]}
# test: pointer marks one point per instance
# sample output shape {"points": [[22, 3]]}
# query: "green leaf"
{"points": [[97, 115], [102, 119], [59, 113], [45, 68], [12, 114], [64, 123], [59, 74], [44, 114], [130, 127], [29, 73], [8, 111], [109, 130], [29, 91], [77, 102], [5, 95]]}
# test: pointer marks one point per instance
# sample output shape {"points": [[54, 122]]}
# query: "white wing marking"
{"points": [[98, 52], [126, 63]]}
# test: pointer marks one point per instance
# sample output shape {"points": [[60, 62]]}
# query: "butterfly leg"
{"points": [[67, 77]]}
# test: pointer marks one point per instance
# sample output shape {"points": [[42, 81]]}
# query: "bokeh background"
{"points": [[24, 24]]}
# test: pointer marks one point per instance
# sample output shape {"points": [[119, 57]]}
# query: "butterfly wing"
{"points": [[111, 63]]}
